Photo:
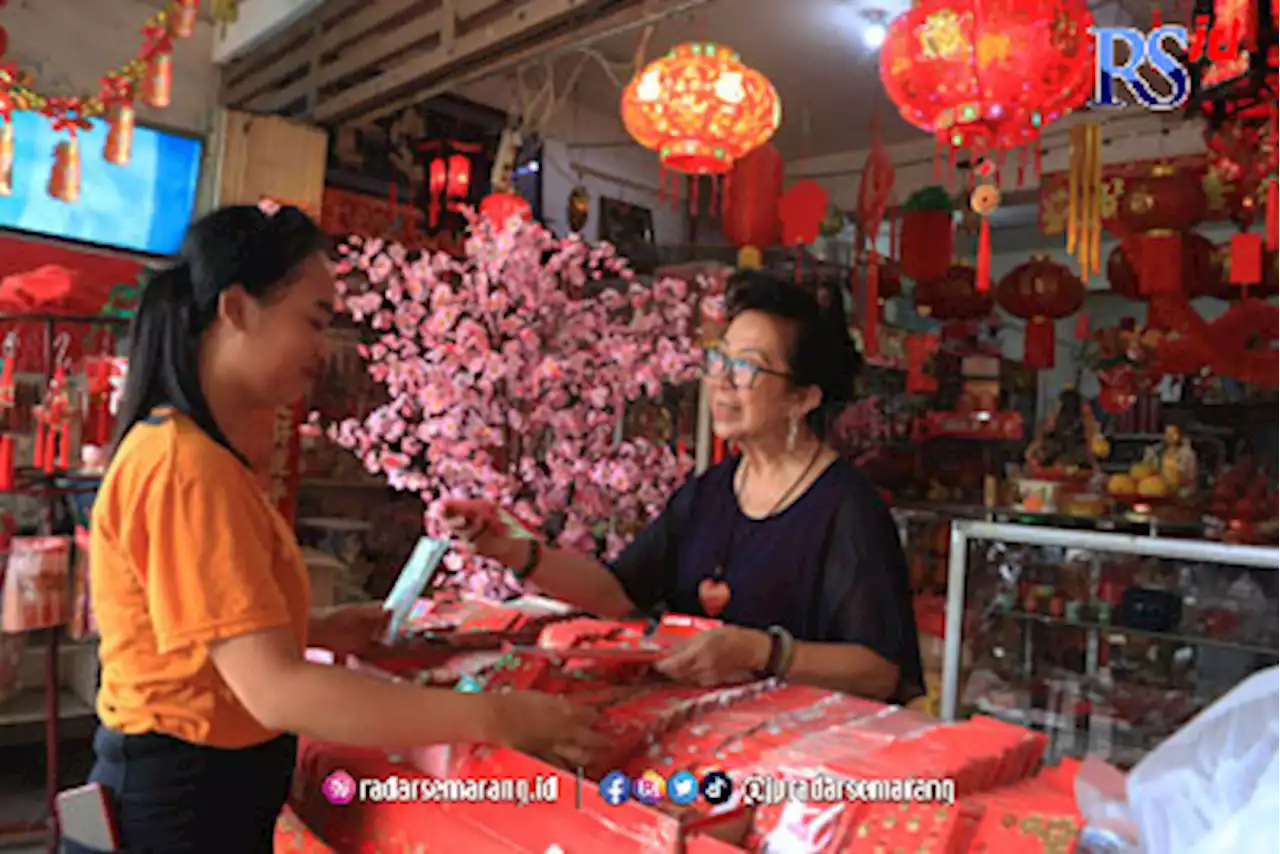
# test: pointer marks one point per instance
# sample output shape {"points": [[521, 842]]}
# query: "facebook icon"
{"points": [[1153, 48], [615, 788]]}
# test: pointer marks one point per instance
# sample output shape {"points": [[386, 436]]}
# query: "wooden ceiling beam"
{"points": [[468, 48], [373, 16], [275, 46], [617, 20]]}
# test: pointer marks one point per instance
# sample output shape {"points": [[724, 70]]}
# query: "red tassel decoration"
{"points": [[871, 323], [982, 279], [1246, 258], [6, 463], [1038, 348], [1082, 326], [1273, 215]]}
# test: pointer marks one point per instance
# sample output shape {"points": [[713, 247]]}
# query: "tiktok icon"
{"points": [[615, 788]]}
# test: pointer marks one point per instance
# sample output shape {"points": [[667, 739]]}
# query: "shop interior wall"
{"points": [[591, 148]]}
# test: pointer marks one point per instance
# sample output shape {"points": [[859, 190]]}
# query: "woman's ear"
{"points": [[810, 399], [235, 307]]}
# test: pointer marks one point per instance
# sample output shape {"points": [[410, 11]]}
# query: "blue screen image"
{"points": [[143, 206]]}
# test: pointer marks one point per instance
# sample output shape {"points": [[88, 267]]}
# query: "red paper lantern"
{"points": [[1154, 212], [1040, 291], [986, 75], [926, 243], [458, 185], [700, 108], [751, 199], [953, 296], [801, 210], [437, 176], [1200, 277], [499, 208]]}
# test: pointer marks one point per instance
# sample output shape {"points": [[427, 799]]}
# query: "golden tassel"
{"points": [[157, 83], [1073, 191], [1085, 236], [6, 158], [1095, 244], [64, 178], [119, 144]]}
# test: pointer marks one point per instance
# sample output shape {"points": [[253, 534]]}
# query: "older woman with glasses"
{"points": [[787, 543]]}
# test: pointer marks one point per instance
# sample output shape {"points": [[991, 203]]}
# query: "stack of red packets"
{"points": [[790, 732]]}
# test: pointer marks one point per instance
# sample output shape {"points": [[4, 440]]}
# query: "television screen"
{"points": [[144, 206]]}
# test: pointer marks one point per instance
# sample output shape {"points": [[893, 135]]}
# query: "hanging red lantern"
{"points": [[1154, 212], [459, 182], [926, 241], [750, 217], [1040, 291], [801, 210], [953, 296], [1200, 276], [987, 76], [500, 208], [437, 176], [701, 109]]}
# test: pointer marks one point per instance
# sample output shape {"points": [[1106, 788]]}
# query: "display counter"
{"points": [[934, 786], [1106, 643]]}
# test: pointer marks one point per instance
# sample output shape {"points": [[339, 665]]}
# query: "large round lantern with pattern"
{"points": [[1040, 291], [988, 75], [700, 108]]}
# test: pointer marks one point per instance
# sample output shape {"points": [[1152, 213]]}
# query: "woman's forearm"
{"points": [[845, 667], [576, 579], [346, 707]]}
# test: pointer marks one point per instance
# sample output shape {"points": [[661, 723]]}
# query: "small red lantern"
{"points": [[500, 208], [750, 215], [801, 209], [926, 241], [1040, 291], [437, 176], [953, 296], [458, 185], [1200, 275]]}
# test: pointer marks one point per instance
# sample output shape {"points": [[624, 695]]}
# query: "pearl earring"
{"points": [[793, 430]]}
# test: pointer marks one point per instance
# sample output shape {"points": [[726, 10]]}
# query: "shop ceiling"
{"points": [[353, 61]]}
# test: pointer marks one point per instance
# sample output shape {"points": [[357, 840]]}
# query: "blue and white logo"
{"points": [[717, 788], [682, 788], [615, 788]]}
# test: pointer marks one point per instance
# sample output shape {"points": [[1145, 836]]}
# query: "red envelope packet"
{"points": [[933, 828]]}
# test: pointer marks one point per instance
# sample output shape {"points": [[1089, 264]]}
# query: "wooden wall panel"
{"points": [[272, 157]]}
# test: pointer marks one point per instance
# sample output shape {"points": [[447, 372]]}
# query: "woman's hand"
{"points": [[719, 656], [478, 524], [546, 725], [351, 630]]}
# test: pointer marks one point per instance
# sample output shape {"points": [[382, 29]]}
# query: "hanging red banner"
{"points": [[347, 213], [1053, 190]]}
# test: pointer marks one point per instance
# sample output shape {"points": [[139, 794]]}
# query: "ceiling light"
{"points": [[873, 35]]}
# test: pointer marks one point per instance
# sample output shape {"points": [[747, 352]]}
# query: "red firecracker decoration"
{"points": [[1040, 291], [988, 76], [183, 23], [64, 179], [7, 155], [119, 144], [752, 192], [157, 84], [500, 208], [701, 109]]}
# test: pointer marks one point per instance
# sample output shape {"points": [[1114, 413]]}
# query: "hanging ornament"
{"points": [[1084, 199], [437, 179], [750, 217], [458, 185], [185, 18], [579, 208], [701, 109], [875, 190], [157, 83], [64, 179], [983, 201], [501, 208], [1040, 291], [927, 240], [119, 145], [6, 155], [801, 210], [1155, 211]]}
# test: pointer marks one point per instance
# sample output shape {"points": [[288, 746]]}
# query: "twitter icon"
{"points": [[682, 788], [615, 788]]}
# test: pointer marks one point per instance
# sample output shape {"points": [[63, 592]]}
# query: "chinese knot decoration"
{"points": [[988, 76], [701, 109], [148, 77]]}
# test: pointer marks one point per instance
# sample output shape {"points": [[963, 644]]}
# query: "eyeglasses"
{"points": [[739, 373]]}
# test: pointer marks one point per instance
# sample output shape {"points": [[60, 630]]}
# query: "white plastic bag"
{"points": [[1214, 786]]}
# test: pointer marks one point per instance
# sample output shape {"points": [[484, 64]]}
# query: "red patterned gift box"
{"points": [[914, 828]]}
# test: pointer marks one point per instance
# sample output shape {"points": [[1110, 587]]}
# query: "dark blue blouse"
{"points": [[828, 568]]}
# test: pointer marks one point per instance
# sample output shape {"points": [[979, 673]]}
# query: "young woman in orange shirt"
{"points": [[198, 585]]}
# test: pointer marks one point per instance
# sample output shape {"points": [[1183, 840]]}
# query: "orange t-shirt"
{"points": [[185, 549]]}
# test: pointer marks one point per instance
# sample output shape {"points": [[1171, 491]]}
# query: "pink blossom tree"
{"points": [[509, 372]]}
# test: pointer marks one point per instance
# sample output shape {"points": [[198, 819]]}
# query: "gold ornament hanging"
{"points": [[1084, 199], [119, 145], [579, 208], [6, 158], [64, 179]]}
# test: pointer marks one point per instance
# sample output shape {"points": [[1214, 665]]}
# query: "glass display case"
{"points": [[1107, 643]]}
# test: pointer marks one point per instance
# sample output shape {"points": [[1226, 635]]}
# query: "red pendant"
{"points": [[714, 596]]}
